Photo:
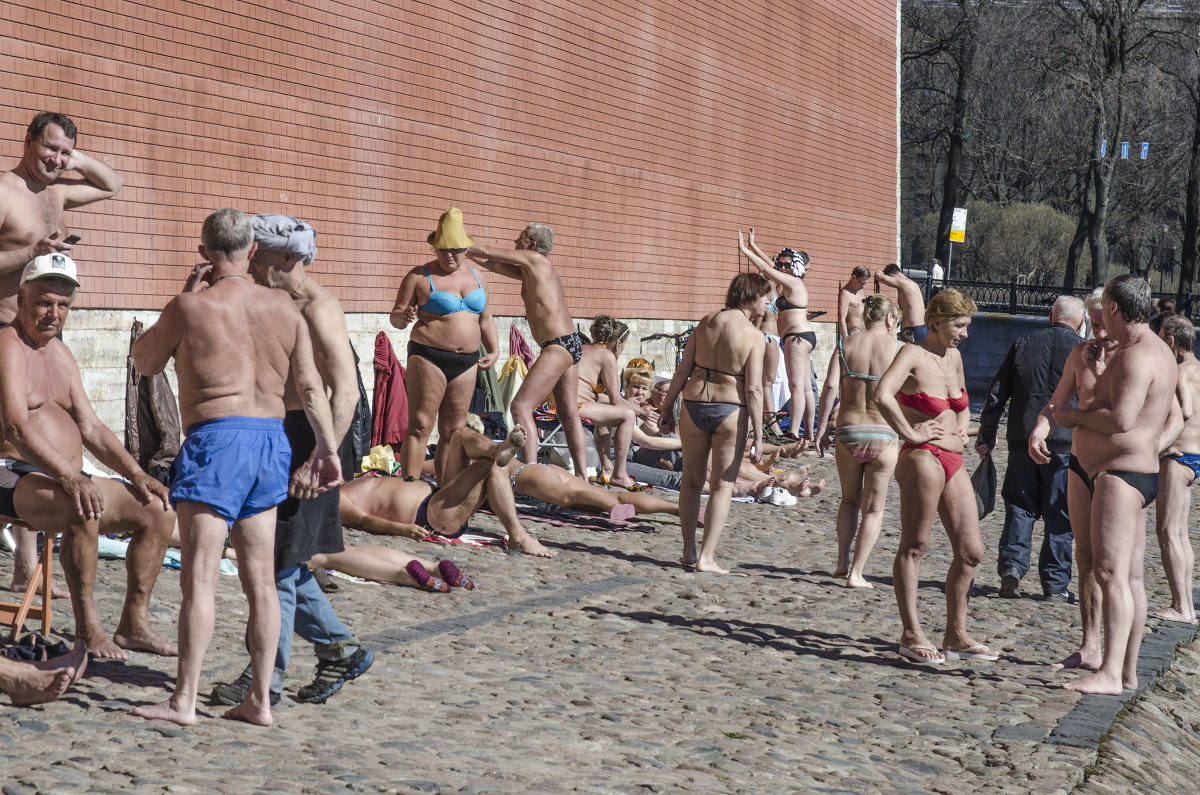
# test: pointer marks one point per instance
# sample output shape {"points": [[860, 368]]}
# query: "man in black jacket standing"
{"points": [[1027, 378]]}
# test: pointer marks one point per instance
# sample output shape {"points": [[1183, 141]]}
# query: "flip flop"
{"points": [[971, 653], [912, 656]]}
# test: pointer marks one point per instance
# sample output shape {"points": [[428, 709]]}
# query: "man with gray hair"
{"points": [[236, 347], [557, 366], [1025, 381], [307, 524]]}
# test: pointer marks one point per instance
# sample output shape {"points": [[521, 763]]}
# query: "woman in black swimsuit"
{"points": [[720, 379], [795, 332]]}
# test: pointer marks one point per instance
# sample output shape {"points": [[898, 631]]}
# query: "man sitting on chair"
{"points": [[46, 421]]}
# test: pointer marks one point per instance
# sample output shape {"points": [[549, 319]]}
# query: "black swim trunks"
{"points": [[570, 342]]}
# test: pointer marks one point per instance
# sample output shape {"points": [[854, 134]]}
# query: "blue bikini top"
{"points": [[441, 302]]}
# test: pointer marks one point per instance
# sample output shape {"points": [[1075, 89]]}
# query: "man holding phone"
{"points": [[33, 197]]}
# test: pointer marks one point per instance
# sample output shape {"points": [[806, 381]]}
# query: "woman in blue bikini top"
{"points": [[445, 302]]}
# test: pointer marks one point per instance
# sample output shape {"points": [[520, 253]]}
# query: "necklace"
{"points": [[945, 368], [230, 276]]}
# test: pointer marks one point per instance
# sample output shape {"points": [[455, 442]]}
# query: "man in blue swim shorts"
{"points": [[1177, 470], [307, 525], [234, 345], [47, 420]]}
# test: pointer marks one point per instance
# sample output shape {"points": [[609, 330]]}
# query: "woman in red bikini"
{"points": [[720, 379], [923, 396]]}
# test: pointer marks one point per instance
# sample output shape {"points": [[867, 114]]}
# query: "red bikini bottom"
{"points": [[951, 462]]}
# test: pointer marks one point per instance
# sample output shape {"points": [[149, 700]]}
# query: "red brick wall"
{"points": [[644, 133]]}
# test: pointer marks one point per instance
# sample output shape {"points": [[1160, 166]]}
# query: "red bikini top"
{"points": [[933, 406]]}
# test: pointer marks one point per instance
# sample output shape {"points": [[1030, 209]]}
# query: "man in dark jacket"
{"points": [[1026, 379]]}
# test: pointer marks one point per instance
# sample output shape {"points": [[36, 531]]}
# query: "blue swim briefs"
{"points": [[1189, 460], [238, 466]]}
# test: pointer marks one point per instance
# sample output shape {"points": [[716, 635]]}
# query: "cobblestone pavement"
{"points": [[611, 669]]}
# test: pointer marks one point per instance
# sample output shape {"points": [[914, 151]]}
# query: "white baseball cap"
{"points": [[51, 265]]}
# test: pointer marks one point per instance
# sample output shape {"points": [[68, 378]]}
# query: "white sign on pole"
{"points": [[958, 225]]}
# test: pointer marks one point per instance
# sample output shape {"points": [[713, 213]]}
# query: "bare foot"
{"points": [[76, 660], [686, 561], [1171, 614], [1087, 660], [101, 645], [145, 640], [756, 490], [840, 572], [55, 591], [167, 710], [259, 715], [622, 483], [710, 565], [855, 581], [804, 488], [36, 686], [1096, 683], [530, 546], [509, 448]]}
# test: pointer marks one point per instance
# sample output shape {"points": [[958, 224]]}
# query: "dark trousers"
{"points": [[1032, 491]]}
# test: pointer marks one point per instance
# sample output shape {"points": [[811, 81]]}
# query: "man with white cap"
{"points": [[33, 196], [306, 524], [46, 421]]}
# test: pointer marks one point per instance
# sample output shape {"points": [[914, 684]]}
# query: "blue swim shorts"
{"points": [[238, 466]]}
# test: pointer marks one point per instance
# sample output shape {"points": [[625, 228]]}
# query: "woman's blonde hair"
{"points": [[877, 307], [639, 377], [948, 304]]}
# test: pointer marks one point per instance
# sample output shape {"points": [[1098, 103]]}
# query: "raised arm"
{"points": [[99, 181], [508, 262]]}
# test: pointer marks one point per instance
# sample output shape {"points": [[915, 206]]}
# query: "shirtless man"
{"points": [[1177, 471], [1117, 441], [234, 343], [475, 471], [46, 421], [557, 366], [909, 297], [306, 525], [28, 683], [850, 302], [1086, 362], [33, 197]]}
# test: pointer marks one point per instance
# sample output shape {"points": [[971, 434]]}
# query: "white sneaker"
{"points": [[776, 495]]}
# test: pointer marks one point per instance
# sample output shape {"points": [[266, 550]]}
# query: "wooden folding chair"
{"points": [[15, 613]]}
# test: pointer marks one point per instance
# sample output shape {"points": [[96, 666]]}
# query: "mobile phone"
{"points": [[72, 240]]}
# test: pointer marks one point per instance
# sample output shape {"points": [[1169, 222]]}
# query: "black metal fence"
{"points": [[1018, 299]]}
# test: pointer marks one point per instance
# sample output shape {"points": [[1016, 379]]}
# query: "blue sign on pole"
{"points": [[1104, 147], [1145, 149], [1124, 150]]}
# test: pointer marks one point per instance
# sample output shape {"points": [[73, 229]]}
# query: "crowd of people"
{"points": [[268, 387]]}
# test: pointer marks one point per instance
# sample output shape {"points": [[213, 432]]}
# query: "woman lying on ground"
{"points": [[384, 564], [720, 379], [923, 396], [447, 299], [788, 272], [865, 447]]}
